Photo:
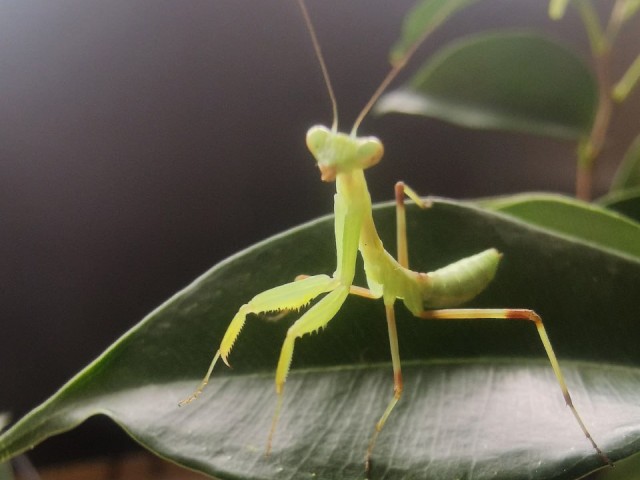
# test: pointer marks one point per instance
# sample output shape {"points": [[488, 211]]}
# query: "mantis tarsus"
{"points": [[342, 158]]}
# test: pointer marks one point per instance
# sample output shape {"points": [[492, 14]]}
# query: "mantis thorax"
{"points": [[338, 152]]}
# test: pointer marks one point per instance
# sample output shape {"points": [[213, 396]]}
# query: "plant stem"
{"points": [[590, 150], [601, 44]]}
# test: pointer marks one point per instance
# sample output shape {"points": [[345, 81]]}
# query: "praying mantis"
{"points": [[342, 158]]}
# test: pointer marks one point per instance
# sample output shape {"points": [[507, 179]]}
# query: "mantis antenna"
{"points": [[397, 66], [323, 65]]}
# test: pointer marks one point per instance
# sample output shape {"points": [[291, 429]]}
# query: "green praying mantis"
{"points": [[342, 158]]}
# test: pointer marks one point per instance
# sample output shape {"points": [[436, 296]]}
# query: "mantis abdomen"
{"points": [[460, 281]]}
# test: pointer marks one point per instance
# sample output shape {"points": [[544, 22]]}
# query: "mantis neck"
{"points": [[353, 223]]}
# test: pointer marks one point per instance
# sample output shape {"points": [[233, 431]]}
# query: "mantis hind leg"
{"points": [[521, 314], [290, 296]]}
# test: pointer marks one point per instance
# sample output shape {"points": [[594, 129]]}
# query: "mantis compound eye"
{"points": [[370, 151], [317, 138]]}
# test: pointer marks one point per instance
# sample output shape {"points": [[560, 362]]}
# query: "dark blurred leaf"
{"points": [[628, 174], [502, 80], [626, 202], [422, 19], [480, 401]]}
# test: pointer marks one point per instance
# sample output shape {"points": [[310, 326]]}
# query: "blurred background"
{"points": [[143, 141]]}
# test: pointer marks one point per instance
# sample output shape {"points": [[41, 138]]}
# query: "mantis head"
{"points": [[338, 152]]}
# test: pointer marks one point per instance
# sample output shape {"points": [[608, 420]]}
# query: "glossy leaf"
{"points": [[628, 174], [580, 221], [480, 400], [504, 80], [422, 19]]}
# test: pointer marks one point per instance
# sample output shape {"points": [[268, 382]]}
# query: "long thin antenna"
{"points": [[323, 66], [397, 66]]}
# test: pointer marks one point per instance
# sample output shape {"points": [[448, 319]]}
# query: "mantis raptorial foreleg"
{"points": [[289, 296], [317, 317]]}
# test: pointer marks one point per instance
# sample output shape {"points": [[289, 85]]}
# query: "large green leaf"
{"points": [[502, 80], [480, 400]]}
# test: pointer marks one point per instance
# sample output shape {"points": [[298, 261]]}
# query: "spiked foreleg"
{"points": [[290, 296], [316, 318]]}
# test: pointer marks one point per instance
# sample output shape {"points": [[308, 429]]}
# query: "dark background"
{"points": [[142, 141]]}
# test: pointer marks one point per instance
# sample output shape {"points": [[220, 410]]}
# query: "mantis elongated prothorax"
{"points": [[342, 158]]}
